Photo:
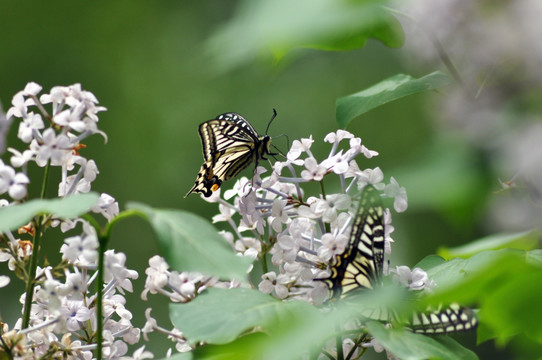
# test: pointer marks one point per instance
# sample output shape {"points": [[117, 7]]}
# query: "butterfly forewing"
{"points": [[360, 265], [230, 144], [242, 123]]}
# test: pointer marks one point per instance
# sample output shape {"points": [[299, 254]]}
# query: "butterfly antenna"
{"points": [[279, 152], [272, 117]]}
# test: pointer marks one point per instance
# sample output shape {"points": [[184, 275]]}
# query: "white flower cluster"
{"points": [[62, 321], [63, 315], [54, 138], [302, 233]]}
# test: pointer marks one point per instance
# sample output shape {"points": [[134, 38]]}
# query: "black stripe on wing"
{"points": [[454, 318]]}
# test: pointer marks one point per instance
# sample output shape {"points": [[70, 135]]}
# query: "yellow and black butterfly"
{"points": [[230, 144], [361, 266]]}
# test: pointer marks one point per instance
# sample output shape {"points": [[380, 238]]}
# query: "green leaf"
{"points": [[514, 307], [14, 216], [218, 316], [392, 88], [261, 28], [191, 243], [534, 257], [482, 268], [430, 262], [506, 284], [181, 356], [408, 346], [526, 240]]}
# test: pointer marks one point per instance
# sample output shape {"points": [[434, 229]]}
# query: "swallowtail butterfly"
{"points": [[230, 144], [361, 266]]}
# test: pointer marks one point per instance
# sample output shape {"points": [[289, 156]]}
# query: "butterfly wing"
{"points": [[361, 266], [243, 131], [454, 318], [230, 144], [362, 262]]}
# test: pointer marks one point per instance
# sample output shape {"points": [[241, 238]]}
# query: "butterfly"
{"points": [[230, 144], [361, 266]]}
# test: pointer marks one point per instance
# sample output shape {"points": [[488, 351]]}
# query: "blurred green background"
{"points": [[145, 62]]}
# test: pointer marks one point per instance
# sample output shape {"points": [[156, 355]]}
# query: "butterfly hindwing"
{"points": [[230, 144], [453, 318]]}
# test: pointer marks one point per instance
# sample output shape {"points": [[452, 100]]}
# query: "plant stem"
{"points": [[264, 263], [322, 188], [36, 245], [103, 239], [99, 293], [45, 179], [339, 345]]}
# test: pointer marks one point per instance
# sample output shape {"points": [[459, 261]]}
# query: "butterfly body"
{"points": [[230, 144], [361, 266]]}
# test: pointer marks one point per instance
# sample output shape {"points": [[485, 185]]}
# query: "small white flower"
{"points": [[80, 250], [19, 108], [226, 213], [338, 136], [13, 183], [370, 176], [329, 207], [271, 282], [75, 286], [299, 147], [314, 171], [107, 206], [400, 203], [415, 279], [337, 163], [240, 188], [32, 88], [356, 147], [20, 159], [332, 246], [58, 149], [150, 324], [115, 269], [280, 215], [114, 304], [74, 313], [69, 186], [71, 119], [157, 276], [30, 126], [289, 246]]}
